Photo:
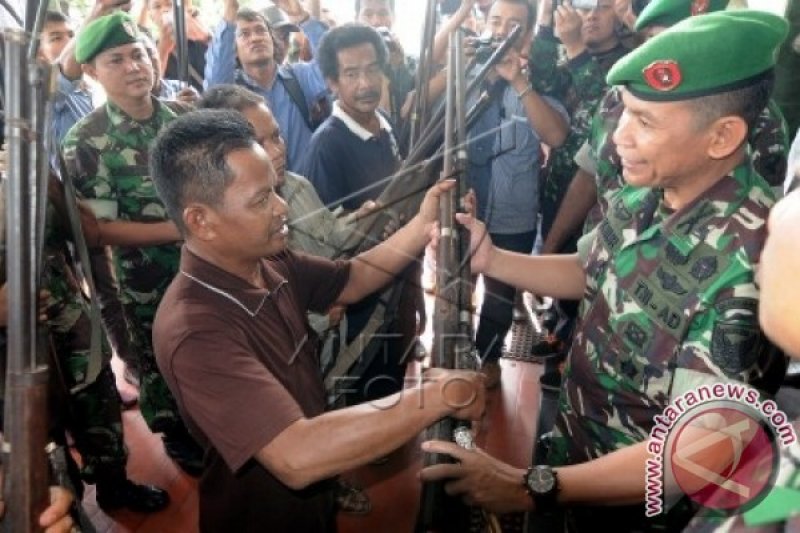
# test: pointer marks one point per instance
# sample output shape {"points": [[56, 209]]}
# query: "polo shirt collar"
{"points": [[357, 129], [241, 293]]}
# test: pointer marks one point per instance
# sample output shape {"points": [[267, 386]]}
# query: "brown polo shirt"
{"points": [[243, 365]]}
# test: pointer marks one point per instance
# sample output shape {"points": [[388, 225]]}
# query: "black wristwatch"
{"points": [[541, 482]]}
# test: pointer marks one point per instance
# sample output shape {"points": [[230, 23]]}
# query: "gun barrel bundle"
{"points": [[26, 419]]}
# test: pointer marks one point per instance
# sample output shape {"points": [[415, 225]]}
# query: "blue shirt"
{"points": [[71, 103], [346, 163], [221, 67], [504, 159]]}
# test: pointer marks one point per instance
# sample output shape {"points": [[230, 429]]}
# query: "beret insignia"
{"points": [[663, 75]]}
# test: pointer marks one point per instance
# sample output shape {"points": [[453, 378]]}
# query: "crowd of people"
{"points": [[625, 166]]}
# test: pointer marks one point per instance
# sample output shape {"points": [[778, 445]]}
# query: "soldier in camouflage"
{"points": [[667, 280], [106, 156], [780, 293], [599, 172]]}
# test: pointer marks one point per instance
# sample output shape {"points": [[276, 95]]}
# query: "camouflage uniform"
{"points": [[92, 413], [788, 478], [579, 84], [669, 297], [769, 147], [106, 154]]}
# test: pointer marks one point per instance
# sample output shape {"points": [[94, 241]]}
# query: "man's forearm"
{"points": [[557, 276], [546, 121], [313, 449], [374, 268], [578, 201], [121, 233]]}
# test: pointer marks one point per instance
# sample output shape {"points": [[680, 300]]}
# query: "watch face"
{"points": [[541, 480]]}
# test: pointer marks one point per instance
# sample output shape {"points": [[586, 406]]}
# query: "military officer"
{"points": [[106, 156], [667, 280]]}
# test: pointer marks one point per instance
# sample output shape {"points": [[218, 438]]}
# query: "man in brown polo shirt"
{"points": [[233, 344]]}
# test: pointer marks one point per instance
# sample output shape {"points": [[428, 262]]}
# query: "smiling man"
{"points": [[667, 281], [232, 339]]}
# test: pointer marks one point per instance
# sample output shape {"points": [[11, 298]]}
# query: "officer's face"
{"points": [[660, 144], [360, 81], [268, 135], [55, 36], [251, 222], [254, 44], [598, 29], [125, 71], [375, 13], [778, 276]]}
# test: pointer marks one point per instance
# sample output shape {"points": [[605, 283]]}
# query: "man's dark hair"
{"points": [[251, 15], [53, 17], [748, 103], [389, 4], [227, 96], [187, 159], [347, 36]]}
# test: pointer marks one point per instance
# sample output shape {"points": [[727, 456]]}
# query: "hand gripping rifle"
{"points": [[452, 316], [26, 443]]}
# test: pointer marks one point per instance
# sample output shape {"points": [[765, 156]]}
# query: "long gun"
{"points": [[26, 420], [452, 317]]}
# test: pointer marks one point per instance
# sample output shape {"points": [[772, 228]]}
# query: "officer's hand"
{"points": [[568, 24], [188, 95], [462, 391], [480, 479], [56, 518], [429, 209]]}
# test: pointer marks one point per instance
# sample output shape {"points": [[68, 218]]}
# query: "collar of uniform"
{"points": [[241, 293], [688, 227], [357, 129], [124, 123]]}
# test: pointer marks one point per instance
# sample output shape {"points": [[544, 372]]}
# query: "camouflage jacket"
{"points": [[670, 297], [106, 154], [769, 148], [787, 484], [579, 84]]}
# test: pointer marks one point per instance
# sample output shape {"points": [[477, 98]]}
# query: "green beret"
{"points": [[669, 12], [705, 55], [104, 33]]}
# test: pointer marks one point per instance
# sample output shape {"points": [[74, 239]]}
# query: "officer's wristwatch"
{"points": [[541, 482]]}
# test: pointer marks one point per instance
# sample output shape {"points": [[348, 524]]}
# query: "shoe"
{"points": [[186, 453], [351, 499], [126, 493], [491, 370]]}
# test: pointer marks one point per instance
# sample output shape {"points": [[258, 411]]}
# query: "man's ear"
{"points": [[727, 135], [90, 70], [200, 221]]}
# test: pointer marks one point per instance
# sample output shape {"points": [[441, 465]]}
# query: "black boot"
{"points": [[186, 453], [122, 492]]}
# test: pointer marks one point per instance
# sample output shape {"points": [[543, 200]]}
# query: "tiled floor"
{"points": [[506, 432]]}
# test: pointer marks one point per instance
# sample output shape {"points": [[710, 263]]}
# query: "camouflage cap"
{"points": [[669, 12], [705, 55], [103, 33]]}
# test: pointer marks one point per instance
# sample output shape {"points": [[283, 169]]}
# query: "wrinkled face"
{"points": [[659, 143], [251, 222], [360, 80], [376, 13], [268, 135], [502, 18], [55, 36], [599, 24], [254, 44], [777, 276], [125, 72]]}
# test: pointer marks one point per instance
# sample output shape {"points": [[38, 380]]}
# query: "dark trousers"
{"points": [[498, 300]]}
